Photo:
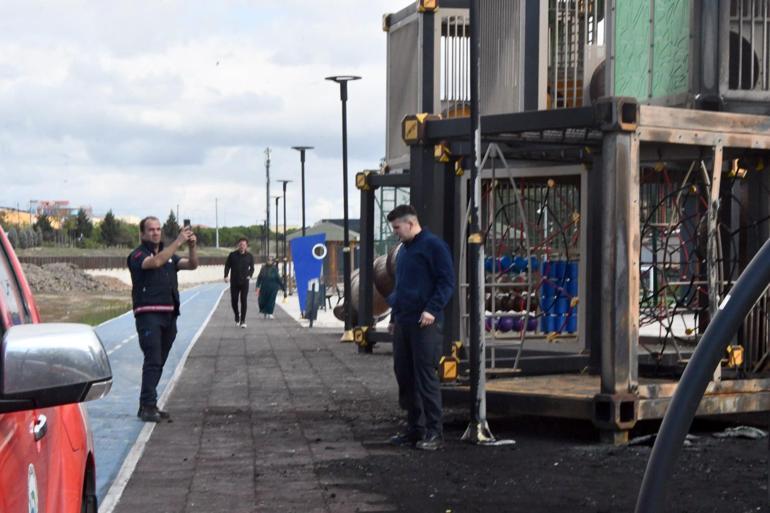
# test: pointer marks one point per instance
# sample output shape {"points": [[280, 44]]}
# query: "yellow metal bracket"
{"points": [[362, 181], [441, 152], [427, 5]]}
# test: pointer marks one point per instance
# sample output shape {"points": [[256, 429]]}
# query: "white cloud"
{"points": [[141, 106]]}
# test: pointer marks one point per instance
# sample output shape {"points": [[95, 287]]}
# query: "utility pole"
{"points": [[216, 218], [267, 198]]}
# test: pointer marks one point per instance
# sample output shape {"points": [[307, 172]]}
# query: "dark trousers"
{"points": [[157, 332], [416, 353], [239, 291]]}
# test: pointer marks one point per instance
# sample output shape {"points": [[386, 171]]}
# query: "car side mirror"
{"points": [[43, 365]]}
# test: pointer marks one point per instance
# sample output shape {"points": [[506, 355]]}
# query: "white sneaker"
{"points": [[243, 325], [270, 316]]}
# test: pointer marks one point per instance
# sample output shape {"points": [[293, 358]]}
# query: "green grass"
{"points": [[98, 316]]}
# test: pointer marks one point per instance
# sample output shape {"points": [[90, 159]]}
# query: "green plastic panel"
{"points": [[671, 54], [662, 46], [632, 48]]}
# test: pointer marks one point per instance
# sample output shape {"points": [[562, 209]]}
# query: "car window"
{"points": [[11, 292]]}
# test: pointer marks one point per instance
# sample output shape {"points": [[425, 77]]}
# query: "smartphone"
{"points": [[186, 223]]}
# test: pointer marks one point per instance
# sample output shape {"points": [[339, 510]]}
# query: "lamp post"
{"points": [[284, 182], [301, 150], [343, 80], [267, 199], [276, 225]]}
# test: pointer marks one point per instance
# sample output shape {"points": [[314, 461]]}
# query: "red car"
{"points": [[46, 448]]}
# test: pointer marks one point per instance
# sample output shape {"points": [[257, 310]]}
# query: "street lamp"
{"points": [[284, 182], [343, 80], [301, 150], [276, 225]]}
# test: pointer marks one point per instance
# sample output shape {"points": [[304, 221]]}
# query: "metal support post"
{"points": [[615, 407], [478, 430], [366, 270]]}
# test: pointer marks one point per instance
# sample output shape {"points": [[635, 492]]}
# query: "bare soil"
{"points": [[558, 466], [65, 293]]}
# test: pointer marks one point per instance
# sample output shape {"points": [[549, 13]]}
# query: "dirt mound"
{"points": [[63, 277]]}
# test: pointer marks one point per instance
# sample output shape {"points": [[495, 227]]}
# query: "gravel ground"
{"points": [[61, 277]]}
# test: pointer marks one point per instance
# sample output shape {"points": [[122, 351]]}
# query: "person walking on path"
{"points": [[268, 284], [155, 299], [424, 285], [241, 262]]}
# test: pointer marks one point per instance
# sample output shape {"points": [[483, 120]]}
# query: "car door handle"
{"points": [[40, 428]]}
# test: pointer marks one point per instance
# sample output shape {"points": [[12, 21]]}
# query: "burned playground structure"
{"points": [[622, 190]]}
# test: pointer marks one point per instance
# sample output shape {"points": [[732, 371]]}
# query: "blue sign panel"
{"points": [[308, 254]]}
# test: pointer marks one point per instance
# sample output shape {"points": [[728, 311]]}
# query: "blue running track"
{"points": [[113, 419]]}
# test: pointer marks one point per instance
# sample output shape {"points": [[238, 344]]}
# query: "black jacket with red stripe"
{"points": [[153, 290]]}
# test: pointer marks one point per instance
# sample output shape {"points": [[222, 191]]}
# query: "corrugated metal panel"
{"points": [[501, 46], [402, 86]]}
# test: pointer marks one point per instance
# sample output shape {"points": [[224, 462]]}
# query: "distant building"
{"points": [[16, 217]]}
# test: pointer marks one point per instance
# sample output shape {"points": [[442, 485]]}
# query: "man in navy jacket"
{"points": [[424, 285]]}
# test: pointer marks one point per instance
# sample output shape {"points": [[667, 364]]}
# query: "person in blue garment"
{"points": [[424, 286], [268, 284]]}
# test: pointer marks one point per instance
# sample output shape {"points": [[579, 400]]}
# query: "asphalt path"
{"points": [[113, 419]]}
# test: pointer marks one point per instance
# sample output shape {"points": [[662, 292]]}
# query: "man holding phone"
{"points": [[155, 298], [424, 285]]}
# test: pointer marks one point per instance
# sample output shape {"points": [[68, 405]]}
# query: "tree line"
{"points": [[79, 230]]}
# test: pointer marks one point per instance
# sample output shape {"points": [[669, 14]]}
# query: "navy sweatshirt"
{"points": [[424, 279]]}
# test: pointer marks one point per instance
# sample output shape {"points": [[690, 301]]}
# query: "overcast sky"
{"points": [[141, 106]]}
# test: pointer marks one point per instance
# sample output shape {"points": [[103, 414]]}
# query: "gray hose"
{"points": [[722, 328]]}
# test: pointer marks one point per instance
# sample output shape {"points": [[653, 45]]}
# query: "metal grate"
{"points": [[748, 45], [455, 66], [574, 38]]}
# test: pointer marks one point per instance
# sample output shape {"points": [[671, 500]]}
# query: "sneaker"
{"points": [[431, 442], [404, 439], [243, 325], [270, 316]]}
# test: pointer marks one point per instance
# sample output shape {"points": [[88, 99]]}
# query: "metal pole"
{"points": [[343, 82], [477, 431], [276, 225], [301, 150], [216, 218], [284, 182], [267, 199]]}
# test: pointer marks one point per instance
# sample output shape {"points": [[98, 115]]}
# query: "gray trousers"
{"points": [[416, 353]]}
